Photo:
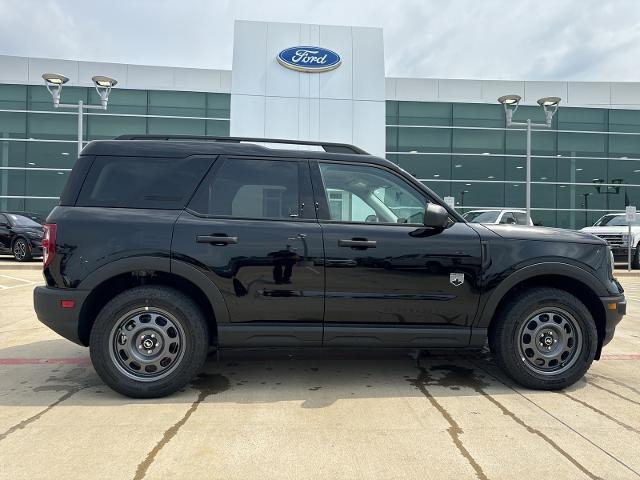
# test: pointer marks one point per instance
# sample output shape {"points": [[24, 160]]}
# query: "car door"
{"points": [[5, 233], [252, 230], [389, 280]]}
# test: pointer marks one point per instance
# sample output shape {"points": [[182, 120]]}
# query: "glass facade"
{"points": [[39, 144], [587, 164]]}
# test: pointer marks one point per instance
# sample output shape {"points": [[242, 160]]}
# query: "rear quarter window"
{"points": [[142, 182]]}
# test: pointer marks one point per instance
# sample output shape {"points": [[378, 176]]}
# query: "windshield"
{"points": [[614, 220], [21, 221], [482, 217]]}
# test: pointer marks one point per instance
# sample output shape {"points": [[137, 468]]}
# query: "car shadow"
{"points": [[315, 377]]}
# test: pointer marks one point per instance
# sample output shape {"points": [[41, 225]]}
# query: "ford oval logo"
{"points": [[309, 59]]}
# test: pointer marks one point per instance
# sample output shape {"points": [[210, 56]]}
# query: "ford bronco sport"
{"points": [[164, 248]]}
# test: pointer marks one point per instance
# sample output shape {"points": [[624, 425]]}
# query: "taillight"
{"points": [[48, 243]]}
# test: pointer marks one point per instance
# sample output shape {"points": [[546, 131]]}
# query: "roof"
{"points": [[186, 147]]}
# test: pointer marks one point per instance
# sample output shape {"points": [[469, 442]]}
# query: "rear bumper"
{"points": [[615, 308], [63, 321]]}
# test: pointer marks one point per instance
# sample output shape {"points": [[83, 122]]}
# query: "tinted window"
{"points": [[615, 220], [250, 189], [489, 216], [22, 221], [508, 218], [358, 193], [521, 218], [132, 182]]}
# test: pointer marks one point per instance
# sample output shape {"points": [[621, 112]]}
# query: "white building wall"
{"points": [[365, 54], [341, 105], [573, 94], [29, 70]]}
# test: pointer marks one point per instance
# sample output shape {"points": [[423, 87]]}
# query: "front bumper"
{"points": [[615, 308], [36, 246], [63, 321], [621, 253]]}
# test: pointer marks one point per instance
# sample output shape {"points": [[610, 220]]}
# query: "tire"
{"points": [[149, 341], [544, 339], [635, 260], [21, 250]]}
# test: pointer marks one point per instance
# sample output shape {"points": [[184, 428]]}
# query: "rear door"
{"points": [[251, 229]]}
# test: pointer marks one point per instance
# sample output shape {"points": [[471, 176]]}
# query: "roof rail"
{"points": [[329, 147]]}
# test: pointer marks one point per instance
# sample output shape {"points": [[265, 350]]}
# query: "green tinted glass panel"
{"points": [[13, 97], [183, 104]]}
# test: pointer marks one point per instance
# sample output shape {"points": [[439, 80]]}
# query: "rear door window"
{"points": [[253, 188], [521, 218], [142, 182], [508, 218]]}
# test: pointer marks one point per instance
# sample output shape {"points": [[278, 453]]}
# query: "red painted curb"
{"points": [[45, 361]]}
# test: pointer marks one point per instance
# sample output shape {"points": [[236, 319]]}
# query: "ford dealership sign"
{"points": [[309, 59]]}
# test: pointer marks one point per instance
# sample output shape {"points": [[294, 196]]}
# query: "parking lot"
{"points": [[311, 414]]}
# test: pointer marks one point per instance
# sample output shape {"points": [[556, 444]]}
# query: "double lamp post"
{"points": [[54, 83], [510, 104]]}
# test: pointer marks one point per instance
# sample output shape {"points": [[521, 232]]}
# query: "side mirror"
{"points": [[435, 216]]}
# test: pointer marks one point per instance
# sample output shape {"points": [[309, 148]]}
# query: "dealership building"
{"points": [[451, 134]]}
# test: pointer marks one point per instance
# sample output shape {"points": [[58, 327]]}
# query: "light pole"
{"points": [[462, 192], [510, 104], [54, 83]]}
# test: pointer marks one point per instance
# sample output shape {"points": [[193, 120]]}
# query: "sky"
{"points": [[590, 40]]}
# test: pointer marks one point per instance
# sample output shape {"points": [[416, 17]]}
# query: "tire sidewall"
{"points": [[184, 311], [519, 314]]}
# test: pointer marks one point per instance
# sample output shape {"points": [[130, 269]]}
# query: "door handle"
{"points": [[216, 239], [357, 243]]}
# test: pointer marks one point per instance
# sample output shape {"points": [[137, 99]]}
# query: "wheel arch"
{"points": [[568, 278], [18, 237], [116, 277]]}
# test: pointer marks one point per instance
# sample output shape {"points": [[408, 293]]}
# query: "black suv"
{"points": [[164, 248]]}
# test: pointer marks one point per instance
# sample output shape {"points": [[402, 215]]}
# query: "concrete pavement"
{"points": [[311, 414]]}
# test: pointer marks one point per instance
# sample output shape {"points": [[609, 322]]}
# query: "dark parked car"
{"points": [[164, 248], [20, 236]]}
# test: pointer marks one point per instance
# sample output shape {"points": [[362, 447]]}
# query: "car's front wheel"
{"points": [[544, 338], [149, 341], [21, 250]]}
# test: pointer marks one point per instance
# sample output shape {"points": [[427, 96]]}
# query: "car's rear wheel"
{"points": [[21, 250], [149, 341], [544, 338]]}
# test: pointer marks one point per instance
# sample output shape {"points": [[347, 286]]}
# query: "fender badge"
{"points": [[456, 279]]}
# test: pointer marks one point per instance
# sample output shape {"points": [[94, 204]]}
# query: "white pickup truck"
{"points": [[613, 228]]}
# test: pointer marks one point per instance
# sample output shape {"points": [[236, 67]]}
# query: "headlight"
{"points": [[612, 264]]}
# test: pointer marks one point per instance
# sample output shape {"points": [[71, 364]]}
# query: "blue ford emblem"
{"points": [[309, 59]]}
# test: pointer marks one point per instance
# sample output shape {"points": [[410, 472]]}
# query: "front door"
{"points": [[251, 227], [384, 269]]}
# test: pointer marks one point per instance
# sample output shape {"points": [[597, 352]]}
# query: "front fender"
{"points": [[571, 272]]}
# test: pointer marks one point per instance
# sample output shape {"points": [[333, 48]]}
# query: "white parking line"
{"points": [[2, 287], [15, 278]]}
